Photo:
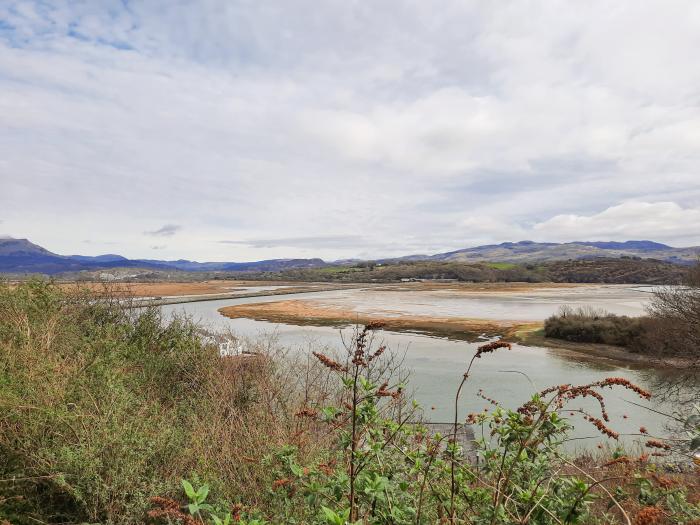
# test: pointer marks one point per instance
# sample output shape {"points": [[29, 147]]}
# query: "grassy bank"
{"points": [[104, 412]]}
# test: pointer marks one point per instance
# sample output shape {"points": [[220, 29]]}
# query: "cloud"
{"points": [[630, 220], [318, 242], [167, 230], [406, 128]]}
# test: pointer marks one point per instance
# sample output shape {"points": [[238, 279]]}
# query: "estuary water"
{"points": [[436, 364]]}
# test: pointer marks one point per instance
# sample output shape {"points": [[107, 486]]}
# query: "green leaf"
{"points": [[333, 518], [193, 508], [202, 493], [296, 470], [189, 489]]}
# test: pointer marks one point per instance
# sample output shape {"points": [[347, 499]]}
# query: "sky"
{"points": [[227, 130]]}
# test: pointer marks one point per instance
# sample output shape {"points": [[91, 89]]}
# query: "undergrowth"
{"points": [[114, 415]]}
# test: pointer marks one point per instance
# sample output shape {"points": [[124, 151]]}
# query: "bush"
{"points": [[105, 411], [102, 407], [589, 326], [381, 467]]}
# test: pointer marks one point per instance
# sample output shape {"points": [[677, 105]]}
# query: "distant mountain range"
{"points": [[529, 251], [20, 256]]}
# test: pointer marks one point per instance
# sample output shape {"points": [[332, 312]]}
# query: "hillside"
{"points": [[20, 256], [529, 251], [610, 271]]}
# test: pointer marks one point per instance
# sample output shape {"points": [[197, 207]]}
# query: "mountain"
{"points": [[22, 256], [21, 248], [627, 245], [529, 251], [110, 257]]}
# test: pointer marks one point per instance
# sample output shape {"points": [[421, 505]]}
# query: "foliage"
{"points": [[585, 325], [102, 407], [617, 270], [105, 411], [383, 467]]}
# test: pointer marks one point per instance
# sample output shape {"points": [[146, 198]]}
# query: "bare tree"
{"points": [[673, 330]]}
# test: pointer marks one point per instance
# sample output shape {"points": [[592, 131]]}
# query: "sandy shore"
{"points": [[301, 312], [176, 289]]}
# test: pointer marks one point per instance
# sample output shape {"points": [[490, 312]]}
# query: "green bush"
{"points": [[590, 326], [96, 405]]}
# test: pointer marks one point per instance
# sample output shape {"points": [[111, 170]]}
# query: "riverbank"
{"points": [[383, 302], [157, 405], [139, 295], [298, 312], [301, 313]]}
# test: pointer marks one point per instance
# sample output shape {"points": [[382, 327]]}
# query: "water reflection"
{"points": [[436, 366]]}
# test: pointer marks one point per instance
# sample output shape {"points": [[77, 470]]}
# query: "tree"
{"points": [[674, 329]]}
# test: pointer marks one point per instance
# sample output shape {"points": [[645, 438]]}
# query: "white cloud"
{"points": [[664, 221], [401, 126]]}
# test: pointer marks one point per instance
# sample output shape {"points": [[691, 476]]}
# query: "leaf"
{"points": [[189, 489], [332, 518], [202, 493], [193, 508]]}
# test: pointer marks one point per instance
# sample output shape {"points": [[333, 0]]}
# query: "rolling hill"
{"points": [[20, 256], [529, 251]]}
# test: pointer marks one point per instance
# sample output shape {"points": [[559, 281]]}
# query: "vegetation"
{"points": [[671, 328], [113, 416], [585, 325], [614, 271]]}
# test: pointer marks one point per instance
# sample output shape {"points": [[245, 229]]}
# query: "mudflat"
{"points": [[174, 289], [492, 308]]}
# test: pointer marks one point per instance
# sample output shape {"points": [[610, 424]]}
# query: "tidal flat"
{"points": [[436, 359]]}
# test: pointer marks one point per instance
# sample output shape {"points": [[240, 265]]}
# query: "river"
{"points": [[436, 364]]}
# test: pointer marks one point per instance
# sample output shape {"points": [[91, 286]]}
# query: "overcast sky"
{"points": [[243, 130]]}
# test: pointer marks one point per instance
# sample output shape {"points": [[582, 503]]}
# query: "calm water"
{"points": [[437, 364]]}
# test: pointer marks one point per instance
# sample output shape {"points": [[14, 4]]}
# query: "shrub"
{"points": [[381, 467], [585, 325], [102, 407], [105, 411]]}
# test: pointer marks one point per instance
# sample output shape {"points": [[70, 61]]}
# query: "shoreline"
{"points": [[301, 313], [524, 333], [534, 337], [295, 313]]}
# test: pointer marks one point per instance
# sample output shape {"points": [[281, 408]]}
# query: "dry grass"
{"points": [[307, 312], [165, 288]]}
